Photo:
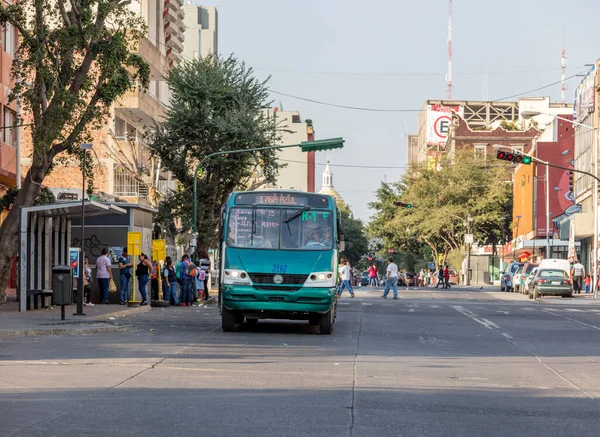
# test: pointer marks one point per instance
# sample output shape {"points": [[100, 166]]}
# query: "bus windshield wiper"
{"points": [[286, 221], [297, 214]]}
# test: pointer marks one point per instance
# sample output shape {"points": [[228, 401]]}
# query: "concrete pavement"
{"points": [[433, 363]]}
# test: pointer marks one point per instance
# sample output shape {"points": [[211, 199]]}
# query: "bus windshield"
{"points": [[278, 228]]}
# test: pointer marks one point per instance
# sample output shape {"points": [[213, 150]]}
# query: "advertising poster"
{"points": [[439, 121], [74, 260]]}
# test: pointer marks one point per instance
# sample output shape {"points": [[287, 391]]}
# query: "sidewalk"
{"points": [[576, 300], [42, 322]]}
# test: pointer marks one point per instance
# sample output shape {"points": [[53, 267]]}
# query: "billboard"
{"points": [[584, 97], [562, 200], [439, 120]]}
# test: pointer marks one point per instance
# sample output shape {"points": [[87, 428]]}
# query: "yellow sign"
{"points": [[134, 243], [159, 249]]}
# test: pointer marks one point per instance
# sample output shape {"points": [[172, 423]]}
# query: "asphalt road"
{"points": [[444, 363]]}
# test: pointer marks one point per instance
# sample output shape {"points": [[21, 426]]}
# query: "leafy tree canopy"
{"points": [[216, 105], [441, 202], [355, 238]]}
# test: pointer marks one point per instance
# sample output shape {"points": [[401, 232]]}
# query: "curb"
{"points": [[86, 330], [123, 313], [572, 302]]}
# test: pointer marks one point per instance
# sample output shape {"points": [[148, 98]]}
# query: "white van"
{"points": [[557, 264]]}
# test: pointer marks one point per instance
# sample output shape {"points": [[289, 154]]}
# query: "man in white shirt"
{"points": [[578, 275], [346, 275], [392, 279]]}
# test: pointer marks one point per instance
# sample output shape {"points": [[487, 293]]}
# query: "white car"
{"points": [[528, 286]]}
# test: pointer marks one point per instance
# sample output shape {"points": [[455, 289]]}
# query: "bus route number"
{"points": [[279, 268]]}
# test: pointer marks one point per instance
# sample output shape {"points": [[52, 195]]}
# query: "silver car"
{"points": [[506, 280]]}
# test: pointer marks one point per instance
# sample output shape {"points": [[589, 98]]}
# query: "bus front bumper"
{"points": [[305, 300]]}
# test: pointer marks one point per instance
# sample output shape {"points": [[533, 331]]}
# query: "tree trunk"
{"points": [[9, 230]]}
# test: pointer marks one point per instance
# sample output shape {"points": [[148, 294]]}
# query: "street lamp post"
{"points": [[469, 222], [307, 146], [83, 147]]}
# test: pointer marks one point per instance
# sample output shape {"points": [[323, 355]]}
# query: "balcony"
{"points": [[142, 105], [159, 65]]}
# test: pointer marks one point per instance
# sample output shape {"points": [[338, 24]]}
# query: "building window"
{"points": [[517, 147], [480, 152], [9, 39], [120, 129], [9, 132]]}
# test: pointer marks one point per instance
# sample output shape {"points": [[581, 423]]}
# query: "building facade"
{"points": [[123, 168], [299, 170], [201, 31], [10, 135]]}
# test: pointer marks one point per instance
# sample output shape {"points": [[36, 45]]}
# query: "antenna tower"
{"points": [[449, 75], [563, 65]]}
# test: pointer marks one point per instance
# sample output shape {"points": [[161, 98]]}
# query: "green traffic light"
{"points": [[408, 205], [526, 159]]}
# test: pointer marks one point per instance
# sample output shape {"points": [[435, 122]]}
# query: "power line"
{"points": [[349, 73], [356, 108], [540, 88]]}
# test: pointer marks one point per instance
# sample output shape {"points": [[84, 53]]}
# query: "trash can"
{"points": [[62, 285]]}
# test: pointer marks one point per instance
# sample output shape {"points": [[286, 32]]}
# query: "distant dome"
{"points": [[327, 186]]}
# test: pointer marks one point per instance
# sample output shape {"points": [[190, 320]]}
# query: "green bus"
{"points": [[278, 258]]}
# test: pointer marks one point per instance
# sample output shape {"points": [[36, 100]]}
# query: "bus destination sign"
{"points": [[283, 199]]}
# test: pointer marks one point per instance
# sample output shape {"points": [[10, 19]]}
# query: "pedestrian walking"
{"points": [[124, 265], [578, 275], [446, 277], [391, 280], [421, 280], [346, 275], [103, 275], [440, 277], [142, 272], [373, 275], [87, 284]]}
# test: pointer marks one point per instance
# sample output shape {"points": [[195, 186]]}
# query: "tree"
{"points": [[76, 56], [216, 105], [441, 202], [355, 238]]}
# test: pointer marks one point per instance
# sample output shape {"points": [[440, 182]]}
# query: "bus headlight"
{"points": [[236, 277], [320, 279]]}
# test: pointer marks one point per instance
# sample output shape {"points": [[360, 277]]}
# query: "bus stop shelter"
{"points": [[44, 241]]}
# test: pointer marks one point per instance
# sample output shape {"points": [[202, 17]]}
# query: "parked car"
{"points": [[555, 263], [528, 287], [453, 278], [364, 278], [552, 282], [506, 283], [520, 275]]}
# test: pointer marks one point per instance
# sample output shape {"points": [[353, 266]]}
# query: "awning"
{"points": [[73, 209]]}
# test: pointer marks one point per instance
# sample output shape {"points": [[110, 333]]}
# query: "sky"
{"points": [[392, 54]]}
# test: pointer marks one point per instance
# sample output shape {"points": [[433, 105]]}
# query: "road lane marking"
{"points": [[597, 328], [507, 335], [484, 322], [434, 306], [574, 310], [411, 310], [506, 313], [367, 304]]}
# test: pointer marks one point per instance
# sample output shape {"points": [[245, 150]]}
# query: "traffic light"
{"points": [[571, 184], [403, 205], [517, 158]]}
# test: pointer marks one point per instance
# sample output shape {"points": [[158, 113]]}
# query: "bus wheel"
{"points": [[326, 323], [314, 320], [228, 320]]}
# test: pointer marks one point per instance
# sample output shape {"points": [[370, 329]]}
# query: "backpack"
{"points": [[201, 274], [191, 270], [178, 270]]}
